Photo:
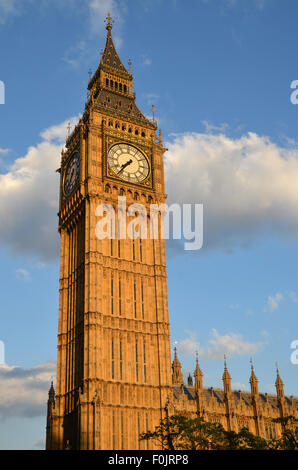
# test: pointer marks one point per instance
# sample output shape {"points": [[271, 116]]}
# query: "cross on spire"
{"points": [[109, 22], [68, 128]]}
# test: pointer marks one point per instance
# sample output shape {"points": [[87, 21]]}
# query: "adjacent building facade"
{"points": [[115, 379]]}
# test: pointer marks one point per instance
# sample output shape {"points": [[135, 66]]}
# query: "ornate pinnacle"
{"points": [[109, 22]]}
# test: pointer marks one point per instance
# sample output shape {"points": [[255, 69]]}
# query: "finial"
{"points": [[90, 74], [251, 364], [68, 130], [225, 359], [109, 22], [153, 112], [129, 65]]}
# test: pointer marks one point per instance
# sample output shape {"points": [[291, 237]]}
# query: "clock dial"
{"points": [[128, 163], [72, 174]]}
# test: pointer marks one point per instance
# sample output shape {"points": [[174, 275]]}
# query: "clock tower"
{"points": [[113, 360]]}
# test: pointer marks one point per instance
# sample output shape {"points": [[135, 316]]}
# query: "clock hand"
{"points": [[124, 166]]}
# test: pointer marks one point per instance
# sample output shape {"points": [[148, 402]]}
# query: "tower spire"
{"points": [[176, 368], [253, 381], [198, 374], [226, 377], [279, 384]]}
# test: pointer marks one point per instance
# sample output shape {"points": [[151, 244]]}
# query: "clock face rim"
{"points": [[74, 156], [127, 180]]}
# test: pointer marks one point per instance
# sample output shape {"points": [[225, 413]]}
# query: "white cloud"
{"points": [[189, 345], [4, 151], [146, 61], [98, 10], [239, 386], [23, 274], [231, 344], [248, 185], [273, 302], [29, 197], [294, 297], [24, 391], [40, 443], [234, 306], [7, 8]]}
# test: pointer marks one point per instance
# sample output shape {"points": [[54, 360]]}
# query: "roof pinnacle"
{"points": [[109, 22]]}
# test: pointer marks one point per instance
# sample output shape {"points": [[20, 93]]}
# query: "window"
{"points": [[147, 428], [133, 247], [142, 299], [141, 250], [145, 366], [122, 431], [137, 361], [135, 298], [121, 365], [120, 303], [112, 296], [113, 360], [139, 430], [113, 431], [120, 86]]}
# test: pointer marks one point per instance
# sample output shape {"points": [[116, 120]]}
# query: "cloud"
{"points": [[294, 297], [4, 151], [24, 391], [29, 194], [231, 344], [23, 274], [146, 61], [98, 10], [7, 8], [40, 443], [248, 186], [273, 302], [189, 345], [239, 386], [258, 4]]}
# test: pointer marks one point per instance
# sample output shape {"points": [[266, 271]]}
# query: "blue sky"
{"points": [[219, 74]]}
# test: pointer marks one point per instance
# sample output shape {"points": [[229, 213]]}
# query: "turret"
{"points": [[198, 376], [253, 383], [51, 399], [226, 380], [177, 376], [279, 385]]}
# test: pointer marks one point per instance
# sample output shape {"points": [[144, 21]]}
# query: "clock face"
{"points": [[128, 163], [72, 174]]}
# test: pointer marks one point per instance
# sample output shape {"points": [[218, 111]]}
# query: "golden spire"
{"points": [[253, 380], [109, 22], [198, 374], [279, 383], [176, 368]]}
